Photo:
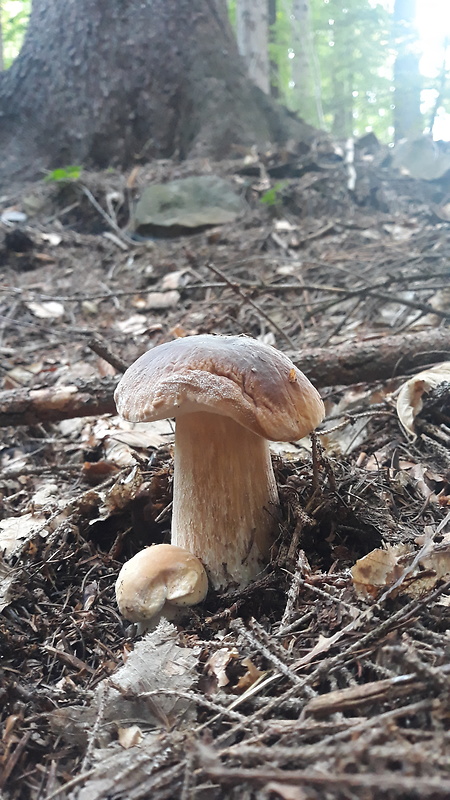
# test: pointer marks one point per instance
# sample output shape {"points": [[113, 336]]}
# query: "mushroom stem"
{"points": [[225, 498]]}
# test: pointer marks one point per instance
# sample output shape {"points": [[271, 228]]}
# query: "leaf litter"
{"points": [[327, 677]]}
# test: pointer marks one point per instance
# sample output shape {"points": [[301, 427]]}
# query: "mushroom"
{"points": [[157, 579], [230, 395]]}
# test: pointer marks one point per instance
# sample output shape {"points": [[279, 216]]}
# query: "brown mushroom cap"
{"points": [[159, 575], [254, 384]]}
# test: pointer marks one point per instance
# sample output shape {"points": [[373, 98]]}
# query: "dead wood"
{"points": [[50, 404], [345, 364], [375, 359]]}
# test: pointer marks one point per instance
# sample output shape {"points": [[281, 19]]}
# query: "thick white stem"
{"points": [[225, 499]]}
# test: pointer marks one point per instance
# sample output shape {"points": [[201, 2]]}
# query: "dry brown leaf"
{"points": [[409, 400], [16, 531], [218, 662], [94, 472], [376, 570], [129, 737], [250, 677]]}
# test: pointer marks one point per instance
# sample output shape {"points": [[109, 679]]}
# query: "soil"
{"points": [[306, 684]]}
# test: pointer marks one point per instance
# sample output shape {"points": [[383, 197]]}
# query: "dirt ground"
{"points": [[320, 679]]}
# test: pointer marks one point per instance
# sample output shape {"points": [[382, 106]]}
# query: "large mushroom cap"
{"points": [[254, 384]]}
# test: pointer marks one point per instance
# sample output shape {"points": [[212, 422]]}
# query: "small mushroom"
{"points": [[230, 395], [158, 578]]}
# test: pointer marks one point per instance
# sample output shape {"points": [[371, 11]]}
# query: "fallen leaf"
{"points": [[284, 225], [95, 472], [51, 309], [409, 400], [11, 216], [135, 325], [173, 280], [250, 677], [160, 300], [15, 531], [54, 239], [7, 577], [286, 791], [129, 737], [376, 570], [218, 663]]}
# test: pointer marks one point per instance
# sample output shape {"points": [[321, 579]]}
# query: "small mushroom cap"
{"points": [[158, 575], [254, 384]]}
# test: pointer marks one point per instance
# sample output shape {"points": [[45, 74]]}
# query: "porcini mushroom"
{"points": [[230, 395], [159, 577]]}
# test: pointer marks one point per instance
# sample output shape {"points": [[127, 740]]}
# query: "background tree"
{"points": [[305, 68], [407, 80], [108, 83], [352, 41], [348, 65], [252, 38], [273, 66]]}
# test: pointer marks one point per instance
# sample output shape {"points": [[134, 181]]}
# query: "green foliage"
{"points": [[14, 19], [67, 174], [232, 12], [273, 195], [352, 44]]}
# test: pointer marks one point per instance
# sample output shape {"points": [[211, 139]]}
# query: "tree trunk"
{"points": [[273, 65], [252, 37], [108, 83], [305, 66], [407, 82]]}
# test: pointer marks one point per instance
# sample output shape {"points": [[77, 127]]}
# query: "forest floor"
{"points": [[322, 679]]}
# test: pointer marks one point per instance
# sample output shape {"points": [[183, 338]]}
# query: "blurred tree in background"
{"points": [[358, 66], [407, 79]]}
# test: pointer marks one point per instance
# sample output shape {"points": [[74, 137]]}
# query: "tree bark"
{"points": [[101, 84], [343, 365], [252, 37]]}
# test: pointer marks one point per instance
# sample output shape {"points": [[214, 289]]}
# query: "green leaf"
{"points": [[273, 195], [71, 173]]}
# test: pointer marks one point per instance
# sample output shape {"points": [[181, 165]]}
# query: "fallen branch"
{"points": [[346, 364], [382, 781], [80, 399], [374, 359]]}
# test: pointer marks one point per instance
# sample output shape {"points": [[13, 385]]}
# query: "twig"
{"points": [[357, 646], [112, 224], [101, 349], [259, 646], [382, 781], [236, 288]]}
